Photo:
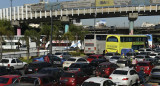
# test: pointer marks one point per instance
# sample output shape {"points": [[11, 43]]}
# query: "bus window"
{"points": [[101, 37], [89, 37], [137, 47], [112, 39]]}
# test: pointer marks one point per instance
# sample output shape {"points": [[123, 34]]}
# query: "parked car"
{"points": [[141, 57], [57, 61], [8, 79], [96, 56], [54, 72], [96, 62], [145, 50], [155, 73], [114, 59], [147, 65], [8, 71], [73, 78], [110, 54], [64, 55], [124, 63], [105, 69], [34, 67], [35, 80], [71, 60], [153, 55], [98, 81], [125, 76], [157, 50], [13, 63], [40, 58], [83, 67]]}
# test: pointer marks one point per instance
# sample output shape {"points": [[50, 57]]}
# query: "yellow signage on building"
{"points": [[101, 3]]}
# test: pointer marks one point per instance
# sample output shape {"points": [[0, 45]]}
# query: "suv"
{"points": [[13, 63], [36, 66], [105, 69]]}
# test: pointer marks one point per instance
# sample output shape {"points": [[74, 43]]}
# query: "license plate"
{"points": [[29, 69]]}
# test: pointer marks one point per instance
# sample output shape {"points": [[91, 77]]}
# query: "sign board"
{"points": [[100, 3]]}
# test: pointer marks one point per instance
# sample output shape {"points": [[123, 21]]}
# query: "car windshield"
{"points": [[4, 61], [28, 80], [120, 72], [92, 57], [115, 57], [90, 84], [103, 66], [155, 70], [152, 54], [75, 66], [109, 54], [3, 80], [58, 53], [142, 64], [71, 59], [139, 57], [148, 50], [68, 74], [122, 62]]}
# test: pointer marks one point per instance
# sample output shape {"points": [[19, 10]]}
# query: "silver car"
{"points": [[155, 75]]}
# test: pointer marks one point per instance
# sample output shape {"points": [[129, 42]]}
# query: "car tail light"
{"points": [[94, 48], [125, 79], [107, 69], [8, 65], [36, 69], [35, 60], [60, 56], [79, 69], [110, 77]]}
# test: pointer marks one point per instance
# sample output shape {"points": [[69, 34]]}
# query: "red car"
{"points": [[73, 78], [105, 69], [92, 57], [147, 65], [8, 79]]}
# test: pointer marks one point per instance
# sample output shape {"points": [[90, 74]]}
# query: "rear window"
{"points": [[4, 61], [3, 80], [58, 53], [75, 66], [115, 57], [68, 74], [92, 57], [142, 64], [90, 84], [155, 70], [28, 80], [71, 59], [139, 57], [109, 54], [120, 72]]}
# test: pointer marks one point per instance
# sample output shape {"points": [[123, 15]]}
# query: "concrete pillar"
{"points": [[132, 17]]}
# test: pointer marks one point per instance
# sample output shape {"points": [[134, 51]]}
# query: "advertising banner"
{"points": [[101, 3], [122, 2]]}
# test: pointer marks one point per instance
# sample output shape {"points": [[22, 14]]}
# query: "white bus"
{"points": [[94, 43]]}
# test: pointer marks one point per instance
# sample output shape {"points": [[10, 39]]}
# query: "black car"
{"points": [[83, 67], [54, 72], [36, 66], [9, 71], [96, 62], [56, 61]]}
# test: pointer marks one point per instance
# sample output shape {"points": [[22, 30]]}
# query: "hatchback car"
{"points": [[72, 78], [83, 67], [71, 60], [98, 81], [146, 65], [124, 76], [34, 67], [8, 79], [105, 69], [36, 80], [92, 57]]}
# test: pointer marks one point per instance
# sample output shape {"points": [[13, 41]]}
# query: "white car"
{"points": [[114, 59], [71, 60], [124, 76], [13, 63], [98, 81], [153, 55]]}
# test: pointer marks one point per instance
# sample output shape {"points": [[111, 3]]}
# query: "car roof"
{"points": [[106, 63], [36, 75], [124, 68], [144, 62], [10, 76], [9, 58], [76, 57], [72, 71], [96, 79], [96, 55], [37, 62], [156, 67]]}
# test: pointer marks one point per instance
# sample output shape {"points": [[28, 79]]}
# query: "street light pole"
{"points": [[51, 31], [95, 17]]}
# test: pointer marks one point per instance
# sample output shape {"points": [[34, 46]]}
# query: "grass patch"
{"points": [[9, 50], [24, 59]]}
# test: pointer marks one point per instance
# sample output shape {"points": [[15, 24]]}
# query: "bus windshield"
{"points": [[112, 39]]}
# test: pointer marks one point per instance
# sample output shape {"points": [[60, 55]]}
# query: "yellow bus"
{"points": [[114, 43]]}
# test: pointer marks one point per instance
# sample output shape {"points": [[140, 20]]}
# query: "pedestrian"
{"points": [[142, 75]]}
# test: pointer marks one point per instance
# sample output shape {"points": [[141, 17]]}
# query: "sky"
{"points": [[118, 21]]}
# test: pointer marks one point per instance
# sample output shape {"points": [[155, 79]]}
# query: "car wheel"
{"points": [[130, 84]]}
